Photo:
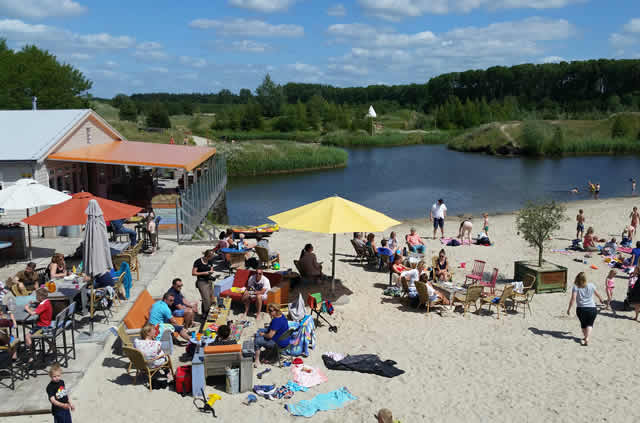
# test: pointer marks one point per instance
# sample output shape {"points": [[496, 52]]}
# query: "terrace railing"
{"points": [[198, 198]]}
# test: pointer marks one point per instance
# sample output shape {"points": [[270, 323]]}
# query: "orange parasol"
{"points": [[73, 211]]}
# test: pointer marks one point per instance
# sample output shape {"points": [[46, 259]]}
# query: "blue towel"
{"points": [[323, 402], [295, 387], [126, 282]]}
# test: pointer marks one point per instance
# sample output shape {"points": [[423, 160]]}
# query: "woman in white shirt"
{"points": [[149, 347], [582, 294]]}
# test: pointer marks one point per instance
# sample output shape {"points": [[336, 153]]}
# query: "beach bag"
{"points": [[483, 241], [183, 380], [453, 243], [252, 263]]}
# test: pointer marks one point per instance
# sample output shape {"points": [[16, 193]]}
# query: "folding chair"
{"points": [[319, 307]]}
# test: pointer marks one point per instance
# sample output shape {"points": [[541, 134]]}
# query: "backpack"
{"points": [[483, 241], [453, 243], [183, 380], [252, 263]]}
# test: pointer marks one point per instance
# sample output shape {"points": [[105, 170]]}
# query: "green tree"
{"points": [[118, 100], [622, 127], [270, 96], [128, 110], [34, 72], [537, 222], [187, 108], [301, 116], [158, 117]]}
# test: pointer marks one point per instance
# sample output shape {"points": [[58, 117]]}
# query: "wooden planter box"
{"points": [[549, 278]]}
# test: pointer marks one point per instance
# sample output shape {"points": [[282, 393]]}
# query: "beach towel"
{"points": [[625, 250], [364, 363], [303, 338], [126, 282], [307, 376], [445, 241], [295, 387], [323, 402]]}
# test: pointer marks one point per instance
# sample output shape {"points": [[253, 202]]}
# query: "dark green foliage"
{"points": [[128, 110], [270, 96], [284, 124], [34, 72], [537, 222], [158, 117], [622, 127]]}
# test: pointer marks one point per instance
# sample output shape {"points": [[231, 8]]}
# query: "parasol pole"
{"points": [[29, 235], [333, 266]]}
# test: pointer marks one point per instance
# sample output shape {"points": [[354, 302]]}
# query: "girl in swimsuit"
{"points": [[635, 218]]}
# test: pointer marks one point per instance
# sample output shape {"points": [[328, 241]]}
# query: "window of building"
{"points": [[88, 135]]}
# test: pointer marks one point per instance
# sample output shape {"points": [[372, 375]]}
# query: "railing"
{"points": [[197, 199]]}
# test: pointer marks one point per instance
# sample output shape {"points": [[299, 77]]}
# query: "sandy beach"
{"points": [[457, 369]]}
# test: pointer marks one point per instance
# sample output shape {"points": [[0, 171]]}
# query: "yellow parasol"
{"points": [[331, 216]]}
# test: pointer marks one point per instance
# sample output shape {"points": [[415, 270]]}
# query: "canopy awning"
{"points": [[138, 154]]}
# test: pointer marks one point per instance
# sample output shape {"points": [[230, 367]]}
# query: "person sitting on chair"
{"points": [[268, 337], [384, 251], [264, 243], [119, 228], [151, 348], [57, 267], [181, 306], [104, 280], [357, 238], [442, 267], [257, 287], [29, 277], [223, 336], [416, 244], [222, 242], [44, 310], [309, 263], [397, 268], [161, 313]]}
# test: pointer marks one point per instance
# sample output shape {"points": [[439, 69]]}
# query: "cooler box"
{"points": [[274, 296], [222, 285]]}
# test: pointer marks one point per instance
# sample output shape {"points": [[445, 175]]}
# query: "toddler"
{"points": [[610, 284], [58, 396], [485, 223]]}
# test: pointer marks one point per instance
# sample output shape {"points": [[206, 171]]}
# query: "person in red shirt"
{"points": [[44, 310]]}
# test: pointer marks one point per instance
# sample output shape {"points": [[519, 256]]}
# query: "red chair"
{"points": [[477, 273], [492, 283]]}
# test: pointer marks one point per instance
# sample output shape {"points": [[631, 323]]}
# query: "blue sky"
{"points": [[208, 45]]}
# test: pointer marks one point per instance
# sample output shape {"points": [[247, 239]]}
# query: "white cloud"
{"points": [[44, 35], [158, 69], [111, 64], [150, 50], [377, 52], [265, 6], [337, 10], [79, 56], [249, 46], [39, 9], [195, 62], [552, 59], [396, 9], [629, 36], [633, 26], [248, 28]]}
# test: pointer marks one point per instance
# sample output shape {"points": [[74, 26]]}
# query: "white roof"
{"points": [[29, 135]]}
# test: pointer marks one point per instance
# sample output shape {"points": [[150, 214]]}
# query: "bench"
{"points": [[138, 314], [278, 294]]}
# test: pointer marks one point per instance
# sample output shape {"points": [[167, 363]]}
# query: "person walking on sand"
{"points": [[635, 219], [437, 216], [582, 295], [609, 285], [580, 227]]}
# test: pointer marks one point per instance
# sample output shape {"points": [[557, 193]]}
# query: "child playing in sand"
{"points": [[58, 397], [580, 228], [610, 284], [485, 223]]}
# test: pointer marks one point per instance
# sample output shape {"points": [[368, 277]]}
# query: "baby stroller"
{"points": [[319, 307]]}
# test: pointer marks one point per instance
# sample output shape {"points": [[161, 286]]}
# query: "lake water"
{"points": [[403, 182]]}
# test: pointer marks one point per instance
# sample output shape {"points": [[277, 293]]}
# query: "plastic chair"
{"points": [[477, 272], [492, 283]]}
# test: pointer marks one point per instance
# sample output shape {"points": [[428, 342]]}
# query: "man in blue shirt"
{"points": [[268, 337], [119, 228], [181, 307], [635, 254], [383, 250], [161, 313]]}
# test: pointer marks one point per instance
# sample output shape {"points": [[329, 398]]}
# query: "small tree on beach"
{"points": [[537, 222]]}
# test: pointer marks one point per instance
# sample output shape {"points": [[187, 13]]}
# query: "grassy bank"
{"points": [[300, 136], [267, 157], [619, 134], [385, 139]]}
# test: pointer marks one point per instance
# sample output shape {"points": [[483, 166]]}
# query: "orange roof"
{"points": [[138, 154]]}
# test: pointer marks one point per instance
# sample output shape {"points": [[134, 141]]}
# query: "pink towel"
{"points": [[307, 376], [625, 250], [445, 241]]}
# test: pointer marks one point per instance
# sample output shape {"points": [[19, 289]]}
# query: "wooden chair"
{"points": [[361, 254], [423, 296], [385, 261], [405, 287], [525, 297], [492, 283], [263, 256], [142, 366], [434, 260], [506, 294], [131, 259], [474, 292], [476, 273], [119, 288], [17, 291]]}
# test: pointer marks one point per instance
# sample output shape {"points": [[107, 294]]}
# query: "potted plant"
{"points": [[536, 223]]}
